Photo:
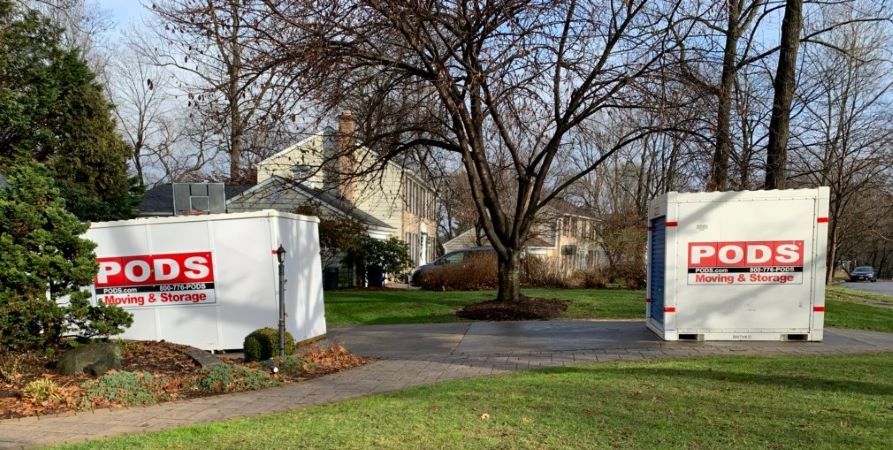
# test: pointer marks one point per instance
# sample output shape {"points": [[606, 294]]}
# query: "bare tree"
{"points": [[84, 25], [141, 93], [844, 139], [779, 124], [506, 87], [208, 44]]}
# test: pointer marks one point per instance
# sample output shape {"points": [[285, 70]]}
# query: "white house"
{"points": [[390, 201]]}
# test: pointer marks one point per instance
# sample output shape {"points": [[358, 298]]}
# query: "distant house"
{"points": [[3, 183], [195, 197], [391, 202], [563, 235]]}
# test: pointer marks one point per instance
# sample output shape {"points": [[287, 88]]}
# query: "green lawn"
{"points": [[398, 306], [730, 402], [846, 308]]}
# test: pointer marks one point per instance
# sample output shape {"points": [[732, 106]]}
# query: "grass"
{"points": [[392, 306], [846, 308], [728, 402], [849, 294]]}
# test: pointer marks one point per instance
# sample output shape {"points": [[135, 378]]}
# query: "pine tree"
{"points": [[53, 110], [44, 260]]}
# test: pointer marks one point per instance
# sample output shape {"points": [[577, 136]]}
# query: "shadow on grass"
{"points": [[784, 381]]}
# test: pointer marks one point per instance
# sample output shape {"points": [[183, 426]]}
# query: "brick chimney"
{"points": [[345, 142]]}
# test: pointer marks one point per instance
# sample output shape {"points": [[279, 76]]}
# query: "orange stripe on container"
{"points": [[818, 309], [672, 224], [822, 220], [670, 309]]}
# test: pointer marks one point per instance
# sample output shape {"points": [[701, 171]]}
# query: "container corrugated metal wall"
{"points": [[657, 261]]}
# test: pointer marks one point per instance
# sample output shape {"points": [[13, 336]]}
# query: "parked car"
{"points": [[863, 273], [453, 257]]}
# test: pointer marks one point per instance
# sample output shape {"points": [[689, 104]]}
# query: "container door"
{"points": [[657, 267]]}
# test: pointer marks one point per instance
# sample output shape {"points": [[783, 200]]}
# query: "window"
{"points": [[454, 258]]}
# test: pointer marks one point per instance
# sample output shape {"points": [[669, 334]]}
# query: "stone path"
{"points": [[413, 355]]}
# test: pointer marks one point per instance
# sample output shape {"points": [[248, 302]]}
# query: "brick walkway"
{"points": [[414, 355]]}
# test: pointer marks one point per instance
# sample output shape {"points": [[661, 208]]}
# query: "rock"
{"points": [[95, 359]]}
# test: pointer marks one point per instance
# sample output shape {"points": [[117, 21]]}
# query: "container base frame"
{"points": [[748, 335]]}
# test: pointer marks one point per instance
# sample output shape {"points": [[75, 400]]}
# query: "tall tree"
{"points": [[140, 91], [209, 44], [506, 87], [785, 81], [843, 139], [53, 109]]}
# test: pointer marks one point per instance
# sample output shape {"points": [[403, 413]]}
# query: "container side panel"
{"points": [[179, 237], [657, 267], [303, 289], [747, 264], [144, 326], [189, 325], [119, 241], [246, 296]]}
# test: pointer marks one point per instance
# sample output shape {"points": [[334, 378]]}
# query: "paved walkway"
{"points": [[413, 355]]}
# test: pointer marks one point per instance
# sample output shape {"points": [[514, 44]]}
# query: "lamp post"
{"points": [[280, 256]]}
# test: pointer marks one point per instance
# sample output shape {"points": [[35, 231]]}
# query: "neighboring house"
{"points": [[391, 202], [159, 201], [563, 235]]}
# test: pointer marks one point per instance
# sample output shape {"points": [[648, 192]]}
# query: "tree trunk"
{"points": [[235, 112], [830, 265], [719, 170], [509, 277], [137, 163], [779, 125]]}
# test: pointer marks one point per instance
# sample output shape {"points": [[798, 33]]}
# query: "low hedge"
{"points": [[263, 344]]}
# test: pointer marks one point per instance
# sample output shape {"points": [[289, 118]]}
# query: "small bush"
{"points": [[124, 388], [593, 279], [42, 390], [475, 273], [630, 275], [263, 344], [542, 273], [293, 366], [230, 378], [11, 366]]}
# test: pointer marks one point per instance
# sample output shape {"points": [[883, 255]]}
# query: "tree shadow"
{"points": [[783, 381]]}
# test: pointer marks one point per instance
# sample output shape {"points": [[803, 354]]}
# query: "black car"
{"points": [[453, 257], [863, 273]]}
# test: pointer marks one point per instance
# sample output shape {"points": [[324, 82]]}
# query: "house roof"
{"points": [[563, 206], [329, 133], [466, 239], [160, 199], [325, 198]]}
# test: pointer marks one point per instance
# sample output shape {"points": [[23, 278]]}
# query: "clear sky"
{"points": [[122, 11]]}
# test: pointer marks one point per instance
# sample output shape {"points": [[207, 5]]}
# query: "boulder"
{"points": [[95, 359]]}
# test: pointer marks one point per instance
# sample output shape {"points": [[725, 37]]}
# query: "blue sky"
{"points": [[122, 11]]}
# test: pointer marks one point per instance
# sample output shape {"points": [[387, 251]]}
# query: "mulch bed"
{"points": [[158, 358], [526, 308], [161, 359]]}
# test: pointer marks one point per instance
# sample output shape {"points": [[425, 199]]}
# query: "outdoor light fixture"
{"points": [[280, 255]]}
